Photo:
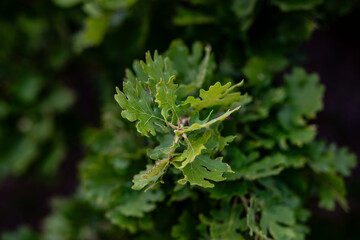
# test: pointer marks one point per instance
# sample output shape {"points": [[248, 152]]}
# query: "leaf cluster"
{"points": [[186, 155], [33, 101], [254, 184]]}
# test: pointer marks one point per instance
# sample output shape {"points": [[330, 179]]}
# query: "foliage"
{"points": [[70, 219], [22, 233], [254, 27], [31, 102], [256, 182], [185, 155]]}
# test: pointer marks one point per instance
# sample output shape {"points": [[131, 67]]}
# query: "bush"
{"points": [[213, 141]]}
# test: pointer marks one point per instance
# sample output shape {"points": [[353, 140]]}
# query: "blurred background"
{"points": [[60, 62]]}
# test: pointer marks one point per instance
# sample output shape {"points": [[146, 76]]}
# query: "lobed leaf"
{"points": [[151, 176], [203, 170], [195, 144], [197, 126], [226, 223], [166, 98], [217, 95]]}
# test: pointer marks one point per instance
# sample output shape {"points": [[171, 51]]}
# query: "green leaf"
{"points": [[59, 100], [192, 68], [137, 100], [136, 105], [203, 170], [151, 176], [157, 69], [217, 142], [22, 233], [197, 126], [71, 219], [136, 204], [260, 71], [217, 95], [274, 217], [92, 9], [99, 179], [304, 97], [66, 3], [195, 144], [331, 189], [93, 32], [166, 99], [30, 89], [268, 166], [189, 17], [226, 223], [343, 160], [182, 192], [117, 218], [296, 5], [116, 4], [243, 8], [299, 136], [281, 215], [185, 229], [166, 149], [108, 163], [320, 158], [330, 159], [228, 189]]}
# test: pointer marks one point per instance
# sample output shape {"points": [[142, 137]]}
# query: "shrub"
{"points": [[232, 165], [203, 145]]}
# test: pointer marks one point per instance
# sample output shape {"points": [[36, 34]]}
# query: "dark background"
{"points": [[333, 52]]}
